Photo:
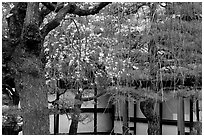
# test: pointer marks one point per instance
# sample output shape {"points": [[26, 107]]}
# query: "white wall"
{"points": [[169, 113], [104, 119]]}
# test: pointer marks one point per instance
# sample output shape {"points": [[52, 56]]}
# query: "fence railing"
{"points": [[134, 121]]}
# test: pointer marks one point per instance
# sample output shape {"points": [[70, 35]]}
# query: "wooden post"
{"points": [[180, 119], [135, 116], [125, 118], [191, 114], [160, 116], [197, 115], [113, 118], [197, 110], [95, 110], [56, 118], [56, 124]]}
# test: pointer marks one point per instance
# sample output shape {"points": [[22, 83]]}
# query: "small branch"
{"points": [[63, 92], [59, 6], [77, 32], [53, 102], [93, 97]]}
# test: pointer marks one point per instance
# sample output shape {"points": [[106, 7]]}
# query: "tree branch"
{"points": [[92, 11], [44, 12], [56, 21], [32, 14], [48, 7], [93, 97], [54, 101], [59, 6], [71, 8]]}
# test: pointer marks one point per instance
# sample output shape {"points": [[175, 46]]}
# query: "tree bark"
{"points": [[75, 116], [125, 118], [147, 108], [33, 98]]}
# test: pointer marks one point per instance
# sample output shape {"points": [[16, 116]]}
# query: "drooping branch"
{"points": [[71, 8]]}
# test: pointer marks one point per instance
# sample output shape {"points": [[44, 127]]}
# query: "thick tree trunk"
{"points": [[26, 65], [33, 98], [29, 74]]}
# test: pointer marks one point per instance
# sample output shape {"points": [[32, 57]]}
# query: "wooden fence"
{"points": [[177, 117]]}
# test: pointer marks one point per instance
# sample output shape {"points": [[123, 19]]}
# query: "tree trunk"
{"points": [[125, 118], [30, 82], [74, 125], [33, 98], [28, 68], [75, 116], [147, 108]]}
